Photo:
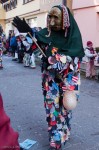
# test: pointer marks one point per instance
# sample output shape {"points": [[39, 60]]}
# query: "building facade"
{"points": [[2, 16], [86, 13], [34, 11]]}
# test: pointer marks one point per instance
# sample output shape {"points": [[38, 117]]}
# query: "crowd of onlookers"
{"points": [[20, 47], [23, 50]]}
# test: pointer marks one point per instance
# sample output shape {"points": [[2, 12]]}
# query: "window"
{"points": [[49, 1], [32, 22], [11, 5], [27, 1]]}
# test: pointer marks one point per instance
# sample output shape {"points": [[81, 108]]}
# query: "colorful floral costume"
{"points": [[58, 77]]}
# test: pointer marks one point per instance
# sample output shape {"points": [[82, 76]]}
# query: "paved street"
{"points": [[23, 102]]}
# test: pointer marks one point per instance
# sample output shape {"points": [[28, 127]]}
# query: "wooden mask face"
{"points": [[55, 19]]}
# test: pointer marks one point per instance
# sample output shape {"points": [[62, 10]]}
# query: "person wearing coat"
{"points": [[13, 44], [8, 137], [90, 55]]}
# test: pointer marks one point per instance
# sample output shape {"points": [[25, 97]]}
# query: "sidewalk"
{"points": [[83, 69]]}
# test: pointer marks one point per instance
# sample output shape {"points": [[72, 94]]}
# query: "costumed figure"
{"points": [[32, 63], [13, 44], [29, 58], [62, 46], [35, 50], [90, 55], [8, 137]]}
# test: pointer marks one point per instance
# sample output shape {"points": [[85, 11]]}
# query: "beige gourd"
{"points": [[69, 100]]}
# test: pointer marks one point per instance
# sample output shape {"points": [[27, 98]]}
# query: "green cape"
{"points": [[70, 45]]}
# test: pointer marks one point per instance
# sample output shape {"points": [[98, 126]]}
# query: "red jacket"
{"points": [[8, 137]]}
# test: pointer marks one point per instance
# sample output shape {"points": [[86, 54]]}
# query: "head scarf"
{"points": [[65, 19], [68, 40], [89, 43]]}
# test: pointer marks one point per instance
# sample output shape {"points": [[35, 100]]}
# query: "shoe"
{"points": [[52, 148], [20, 62], [88, 78], [9, 55], [14, 59], [59, 147], [93, 77], [32, 67], [1, 67], [26, 66]]}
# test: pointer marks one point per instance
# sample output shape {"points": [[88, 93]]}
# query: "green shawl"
{"points": [[70, 45]]}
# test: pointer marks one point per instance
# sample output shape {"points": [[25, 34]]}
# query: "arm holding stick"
{"points": [[34, 40]]}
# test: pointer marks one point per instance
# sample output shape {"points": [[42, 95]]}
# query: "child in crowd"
{"points": [[90, 57]]}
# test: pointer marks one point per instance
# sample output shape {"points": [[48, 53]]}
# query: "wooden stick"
{"points": [[34, 40]]}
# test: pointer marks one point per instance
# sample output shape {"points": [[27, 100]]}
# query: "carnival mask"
{"points": [[55, 19]]}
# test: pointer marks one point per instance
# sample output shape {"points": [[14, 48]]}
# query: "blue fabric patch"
{"points": [[27, 144]]}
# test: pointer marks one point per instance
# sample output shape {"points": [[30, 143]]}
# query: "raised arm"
{"points": [[21, 25]]}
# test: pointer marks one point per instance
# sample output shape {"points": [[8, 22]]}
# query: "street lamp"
{"points": [[64, 2]]}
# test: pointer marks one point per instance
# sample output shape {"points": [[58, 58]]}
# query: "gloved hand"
{"points": [[45, 63], [21, 25], [45, 59]]}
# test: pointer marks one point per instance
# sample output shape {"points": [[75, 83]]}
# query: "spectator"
{"points": [[98, 58], [20, 50], [8, 45], [1, 65], [90, 55], [13, 44]]}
